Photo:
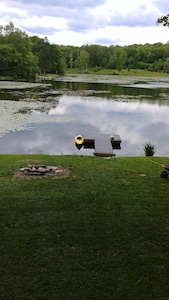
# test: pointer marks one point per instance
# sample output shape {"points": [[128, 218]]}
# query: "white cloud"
{"points": [[65, 3], [71, 22]]}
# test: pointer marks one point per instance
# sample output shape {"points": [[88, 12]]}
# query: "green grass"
{"points": [[125, 72], [101, 233]]}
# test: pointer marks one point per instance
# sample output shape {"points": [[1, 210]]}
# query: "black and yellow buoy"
{"points": [[79, 141]]}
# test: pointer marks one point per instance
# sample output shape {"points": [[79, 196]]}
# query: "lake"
{"points": [[45, 117]]}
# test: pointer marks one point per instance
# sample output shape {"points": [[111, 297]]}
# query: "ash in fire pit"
{"points": [[42, 170]]}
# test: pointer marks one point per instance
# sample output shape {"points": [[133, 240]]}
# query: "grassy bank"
{"points": [[125, 72], [95, 71], [101, 233]]}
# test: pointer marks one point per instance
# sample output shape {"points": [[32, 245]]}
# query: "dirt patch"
{"points": [[39, 171]]}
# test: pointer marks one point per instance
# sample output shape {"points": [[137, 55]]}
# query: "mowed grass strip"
{"points": [[101, 233]]}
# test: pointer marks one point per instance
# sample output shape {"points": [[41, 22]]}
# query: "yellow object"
{"points": [[79, 139]]}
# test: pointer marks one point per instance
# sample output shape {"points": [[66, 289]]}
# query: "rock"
{"points": [[36, 170]]}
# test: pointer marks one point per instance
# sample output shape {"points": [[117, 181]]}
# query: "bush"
{"points": [[97, 69], [149, 149]]}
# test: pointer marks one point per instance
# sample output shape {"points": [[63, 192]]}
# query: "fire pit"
{"points": [[42, 170]]}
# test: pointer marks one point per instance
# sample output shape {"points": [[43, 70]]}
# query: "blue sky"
{"points": [[80, 22]]}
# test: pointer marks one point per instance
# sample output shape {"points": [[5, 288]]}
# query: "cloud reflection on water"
{"points": [[53, 133]]}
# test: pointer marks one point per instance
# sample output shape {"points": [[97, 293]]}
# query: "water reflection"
{"points": [[53, 131], [149, 90]]}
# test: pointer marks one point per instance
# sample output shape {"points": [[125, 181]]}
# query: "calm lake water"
{"points": [[46, 117]]}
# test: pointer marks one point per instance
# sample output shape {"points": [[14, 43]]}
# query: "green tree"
{"points": [[18, 38], [159, 65], [9, 58], [70, 54], [71, 60], [17, 54], [28, 66], [99, 55], [40, 48], [131, 60], [164, 20], [57, 62], [166, 65], [118, 58], [83, 60], [50, 56]]}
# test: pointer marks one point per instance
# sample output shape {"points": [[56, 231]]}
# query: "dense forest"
{"points": [[22, 56]]}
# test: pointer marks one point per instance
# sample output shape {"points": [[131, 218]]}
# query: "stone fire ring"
{"points": [[32, 171]]}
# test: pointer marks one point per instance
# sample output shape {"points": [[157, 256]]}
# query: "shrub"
{"points": [[149, 149]]}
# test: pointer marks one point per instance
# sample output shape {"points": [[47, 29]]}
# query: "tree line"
{"points": [[150, 57], [22, 56]]}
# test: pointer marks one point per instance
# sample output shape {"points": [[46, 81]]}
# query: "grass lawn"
{"points": [[101, 233]]}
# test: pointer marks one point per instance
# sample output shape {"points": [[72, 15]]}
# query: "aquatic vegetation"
{"points": [[21, 85], [10, 117], [16, 115]]}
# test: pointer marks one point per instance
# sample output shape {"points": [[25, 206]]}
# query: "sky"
{"points": [[81, 22]]}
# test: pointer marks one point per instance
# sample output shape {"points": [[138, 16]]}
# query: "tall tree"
{"points": [[99, 56], [83, 60], [18, 59], [9, 59], [164, 20], [118, 58], [40, 47], [50, 57]]}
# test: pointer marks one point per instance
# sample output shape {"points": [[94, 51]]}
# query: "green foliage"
{"points": [[83, 60], [16, 58], [164, 20], [9, 58], [24, 56], [97, 69], [144, 57], [50, 56], [117, 59], [149, 149], [99, 55]]}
